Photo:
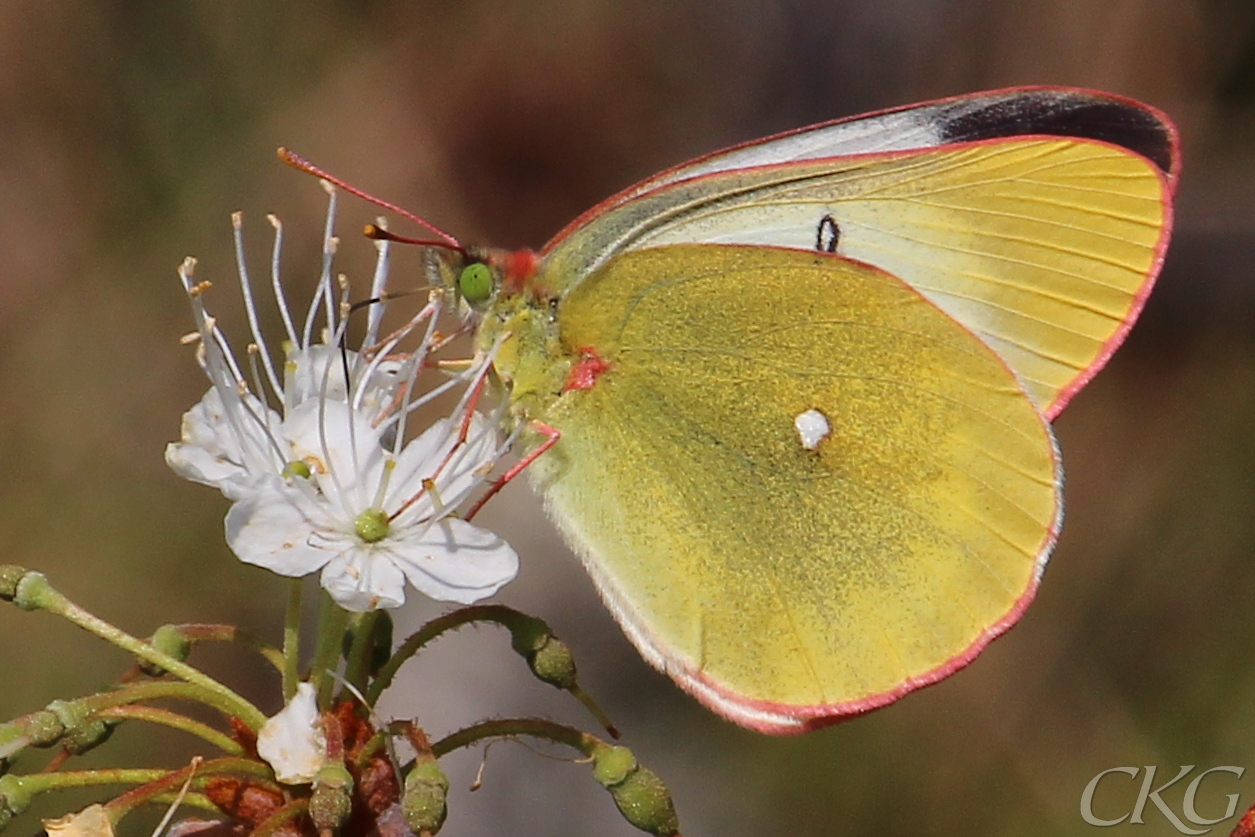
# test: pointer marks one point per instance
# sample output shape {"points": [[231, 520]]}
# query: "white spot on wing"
{"points": [[812, 428]]}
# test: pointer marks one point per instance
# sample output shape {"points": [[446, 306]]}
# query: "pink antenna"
{"points": [[300, 163]]}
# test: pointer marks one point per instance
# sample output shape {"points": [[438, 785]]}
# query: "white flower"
{"points": [[327, 481], [293, 742], [371, 521]]}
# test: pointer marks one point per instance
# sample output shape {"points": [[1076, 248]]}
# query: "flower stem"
{"points": [[534, 727], [332, 620], [230, 633], [14, 735], [292, 639], [162, 789], [548, 657], [280, 818], [174, 720], [34, 592], [504, 616], [362, 649], [126, 802], [18, 791]]}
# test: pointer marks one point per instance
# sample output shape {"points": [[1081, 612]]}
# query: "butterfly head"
{"points": [[515, 316], [480, 276]]}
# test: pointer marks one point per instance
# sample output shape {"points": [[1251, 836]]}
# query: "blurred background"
{"points": [[129, 130]]}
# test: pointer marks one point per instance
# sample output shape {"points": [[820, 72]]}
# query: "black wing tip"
{"points": [[1066, 113]]}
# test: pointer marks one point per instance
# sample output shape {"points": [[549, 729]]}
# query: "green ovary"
{"points": [[371, 526]]}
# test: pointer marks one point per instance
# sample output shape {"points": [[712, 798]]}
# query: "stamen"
{"points": [[253, 350], [378, 289], [439, 390], [429, 488], [432, 310], [488, 429], [250, 306], [246, 440], [389, 467], [331, 244], [276, 284], [379, 354], [347, 503], [221, 367], [324, 278]]}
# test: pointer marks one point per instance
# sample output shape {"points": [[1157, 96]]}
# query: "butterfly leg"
{"points": [[551, 435]]}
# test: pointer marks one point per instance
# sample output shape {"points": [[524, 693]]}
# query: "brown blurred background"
{"points": [[130, 129]]}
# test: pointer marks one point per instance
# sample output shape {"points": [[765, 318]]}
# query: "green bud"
{"points": [[611, 765], [646, 803], [332, 800], [171, 641], [528, 633], [10, 575], [69, 712], [641, 796], [81, 732], [553, 664], [88, 735], [44, 728], [30, 590], [14, 796], [425, 797], [549, 657]]}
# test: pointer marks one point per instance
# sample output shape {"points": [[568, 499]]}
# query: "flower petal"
{"points": [[476, 456], [341, 449], [455, 561], [228, 447], [364, 578], [279, 528], [315, 372], [422, 457], [292, 742], [92, 821]]}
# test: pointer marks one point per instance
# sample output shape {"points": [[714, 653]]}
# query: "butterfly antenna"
{"points": [[388, 297], [298, 162], [378, 233]]}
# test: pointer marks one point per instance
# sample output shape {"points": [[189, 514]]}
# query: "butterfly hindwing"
{"points": [[782, 584]]}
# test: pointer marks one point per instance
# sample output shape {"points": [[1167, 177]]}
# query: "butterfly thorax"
{"points": [[519, 320]]}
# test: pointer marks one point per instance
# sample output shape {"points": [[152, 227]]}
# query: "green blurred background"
{"points": [[130, 129]]}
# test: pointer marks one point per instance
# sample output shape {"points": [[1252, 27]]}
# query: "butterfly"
{"points": [[790, 402]]}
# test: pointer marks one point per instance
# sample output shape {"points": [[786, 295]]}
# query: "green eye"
{"points": [[475, 283]]}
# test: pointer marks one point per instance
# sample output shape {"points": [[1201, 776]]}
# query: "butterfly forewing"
{"points": [[1044, 248], [997, 114], [994, 114], [781, 579]]}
